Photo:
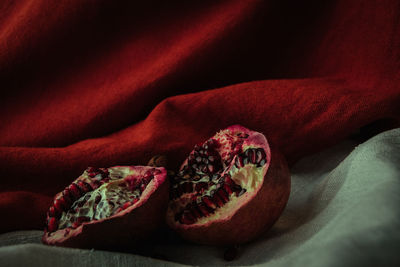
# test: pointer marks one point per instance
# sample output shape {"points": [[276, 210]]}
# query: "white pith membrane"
{"points": [[232, 145], [122, 189]]}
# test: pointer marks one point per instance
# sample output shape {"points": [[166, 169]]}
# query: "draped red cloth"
{"points": [[98, 83]]}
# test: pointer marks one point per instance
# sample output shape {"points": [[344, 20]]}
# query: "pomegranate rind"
{"points": [[255, 213], [125, 228]]}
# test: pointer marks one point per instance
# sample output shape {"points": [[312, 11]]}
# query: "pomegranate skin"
{"points": [[123, 230], [249, 220]]}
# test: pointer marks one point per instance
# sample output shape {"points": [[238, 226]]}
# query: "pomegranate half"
{"points": [[229, 190], [108, 208]]}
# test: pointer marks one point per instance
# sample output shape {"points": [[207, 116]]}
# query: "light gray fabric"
{"points": [[344, 210]]}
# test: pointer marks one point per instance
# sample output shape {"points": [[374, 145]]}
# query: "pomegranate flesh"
{"points": [[108, 207], [229, 190]]}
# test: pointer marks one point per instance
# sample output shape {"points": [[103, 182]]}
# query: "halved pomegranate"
{"points": [[229, 190], [108, 208]]}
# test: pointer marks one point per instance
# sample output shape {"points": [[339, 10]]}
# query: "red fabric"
{"points": [[98, 83]]}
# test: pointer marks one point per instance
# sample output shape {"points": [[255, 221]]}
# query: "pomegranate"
{"points": [[108, 208], [229, 190]]}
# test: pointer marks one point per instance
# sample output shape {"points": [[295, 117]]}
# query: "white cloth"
{"points": [[344, 210]]}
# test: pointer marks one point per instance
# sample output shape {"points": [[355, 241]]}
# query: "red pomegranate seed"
{"points": [[228, 180], [68, 198], [217, 200], [203, 209], [85, 187], [91, 169], [59, 205], [200, 187], [209, 203], [75, 191], [53, 213], [228, 189], [223, 195], [52, 224], [126, 205], [239, 161], [195, 212]]}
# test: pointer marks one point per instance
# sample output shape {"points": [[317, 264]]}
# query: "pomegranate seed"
{"points": [[200, 187], [126, 205], [59, 205], [85, 187], [68, 198], [92, 169], [195, 212], [239, 161], [228, 180], [75, 191], [209, 203], [223, 195], [217, 200], [52, 224], [52, 212], [203, 209], [227, 189]]}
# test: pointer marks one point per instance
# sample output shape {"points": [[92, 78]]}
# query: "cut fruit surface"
{"points": [[221, 181], [108, 206]]}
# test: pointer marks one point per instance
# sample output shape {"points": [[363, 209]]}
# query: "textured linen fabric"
{"points": [[100, 83], [343, 211]]}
